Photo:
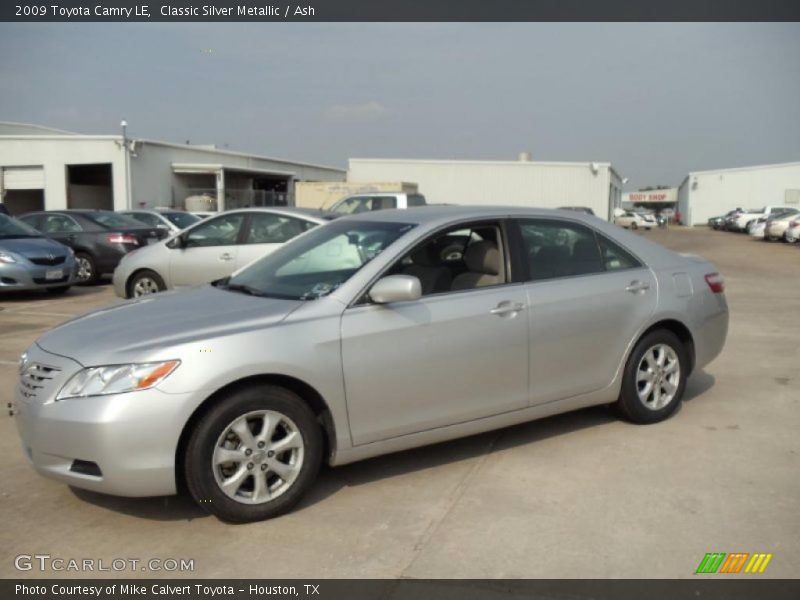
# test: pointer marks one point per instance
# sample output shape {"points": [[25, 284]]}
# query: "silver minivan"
{"points": [[368, 335]]}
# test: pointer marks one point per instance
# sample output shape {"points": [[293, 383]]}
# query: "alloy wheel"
{"points": [[658, 376], [145, 286], [84, 268], [258, 457]]}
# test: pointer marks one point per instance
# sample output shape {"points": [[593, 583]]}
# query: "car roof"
{"points": [[435, 214], [309, 214]]}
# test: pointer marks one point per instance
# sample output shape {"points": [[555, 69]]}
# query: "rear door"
{"points": [[264, 232], [588, 298], [210, 252]]}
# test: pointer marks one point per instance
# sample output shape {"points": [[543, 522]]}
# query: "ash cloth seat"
{"points": [[483, 261]]}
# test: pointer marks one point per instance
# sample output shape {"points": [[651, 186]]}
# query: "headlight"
{"points": [[7, 257], [116, 379]]}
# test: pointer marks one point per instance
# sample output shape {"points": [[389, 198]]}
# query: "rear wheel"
{"points": [[253, 455], [145, 283], [87, 269], [654, 378]]}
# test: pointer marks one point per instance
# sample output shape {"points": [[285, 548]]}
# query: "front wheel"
{"points": [[654, 378], [145, 283], [87, 269], [253, 455]]}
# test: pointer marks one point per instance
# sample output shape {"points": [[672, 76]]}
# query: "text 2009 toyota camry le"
{"points": [[368, 335]]}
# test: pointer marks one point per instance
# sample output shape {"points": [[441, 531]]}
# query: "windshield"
{"points": [[317, 262], [11, 228], [181, 220], [115, 221]]}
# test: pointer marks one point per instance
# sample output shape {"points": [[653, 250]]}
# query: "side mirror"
{"points": [[396, 288], [177, 242]]}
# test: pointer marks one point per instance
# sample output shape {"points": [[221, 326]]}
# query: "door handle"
{"points": [[506, 307], [226, 256], [637, 286]]}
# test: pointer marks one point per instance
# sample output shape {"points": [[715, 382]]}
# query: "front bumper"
{"points": [[27, 276], [131, 437]]}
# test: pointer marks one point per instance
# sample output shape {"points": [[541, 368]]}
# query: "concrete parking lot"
{"points": [[578, 495]]}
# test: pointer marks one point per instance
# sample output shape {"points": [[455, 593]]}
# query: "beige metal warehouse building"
{"points": [[53, 169], [522, 182]]}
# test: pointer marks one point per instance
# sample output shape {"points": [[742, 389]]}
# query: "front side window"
{"points": [[182, 220], [60, 224], [146, 218], [463, 258], [220, 231], [553, 248], [316, 264], [270, 228]]}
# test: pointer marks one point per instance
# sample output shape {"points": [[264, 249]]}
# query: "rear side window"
{"points": [[268, 228], [616, 258], [553, 248]]}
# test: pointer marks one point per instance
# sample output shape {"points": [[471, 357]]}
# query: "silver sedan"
{"points": [[371, 334], [209, 249]]}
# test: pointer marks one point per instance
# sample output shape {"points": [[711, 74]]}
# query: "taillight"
{"points": [[122, 238], [716, 282]]}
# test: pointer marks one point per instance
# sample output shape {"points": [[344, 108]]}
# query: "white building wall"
{"points": [[711, 193], [53, 153], [521, 183]]}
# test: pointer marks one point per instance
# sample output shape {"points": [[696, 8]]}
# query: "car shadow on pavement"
{"points": [[331, 480], [161, 508]]}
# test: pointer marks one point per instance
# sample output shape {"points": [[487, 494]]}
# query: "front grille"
{"points": [[42, 280], [35, 378], [47, 261]]}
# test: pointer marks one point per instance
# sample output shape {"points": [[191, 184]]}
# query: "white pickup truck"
{"points": [[741, 222], [376, 201]]}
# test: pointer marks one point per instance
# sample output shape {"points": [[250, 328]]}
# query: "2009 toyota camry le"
{"points": [[368, 335]]}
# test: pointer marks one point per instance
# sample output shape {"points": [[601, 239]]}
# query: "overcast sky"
{"points": [[656, 100]]}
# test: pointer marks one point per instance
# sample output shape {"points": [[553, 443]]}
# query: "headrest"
{"points": [[483, 257]]}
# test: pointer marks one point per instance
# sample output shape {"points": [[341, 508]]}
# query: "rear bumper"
{"points": [[710, 334]]}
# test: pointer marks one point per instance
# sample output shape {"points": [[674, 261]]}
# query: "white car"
{"points": [[633, 220], [741, 222], [792, 234], [776, 228], [211, 249], [376, 201], [756, 229]]}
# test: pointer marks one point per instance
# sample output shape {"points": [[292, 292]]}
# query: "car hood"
{"points": [[136, 329], [33, 247]]}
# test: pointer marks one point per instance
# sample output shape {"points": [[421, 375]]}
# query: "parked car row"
{"points": [[770, 223]]}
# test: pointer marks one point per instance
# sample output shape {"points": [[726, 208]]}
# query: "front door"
{"points": [[209, 253], [455, 355]]}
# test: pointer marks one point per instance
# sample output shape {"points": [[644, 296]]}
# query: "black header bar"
{"points": [[399, 10]]}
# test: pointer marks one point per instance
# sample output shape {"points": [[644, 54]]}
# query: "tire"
{"points": [[634, 225], [57, 291], [635, 403], [145, 283], [214, 439], [87, 269]]}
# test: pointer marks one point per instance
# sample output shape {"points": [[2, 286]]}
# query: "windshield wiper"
{"points": [[245, 289]]}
